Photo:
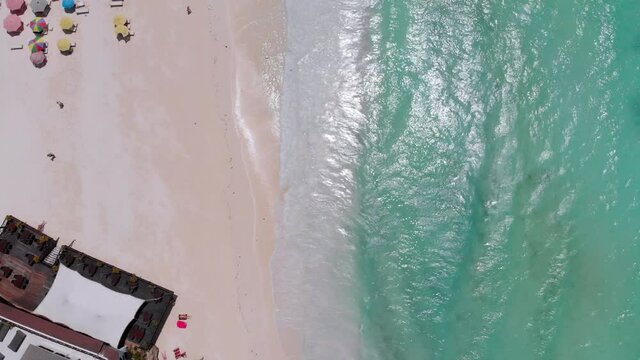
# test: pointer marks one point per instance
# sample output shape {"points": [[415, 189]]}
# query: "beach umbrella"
{"points": [[12, 23], [181, 324], [122, 30], [37, 44], [119, 20], [39, 6], [39, 25], [15, 5], [68, 4], [38, 58], [66, 23], [64, 45]]}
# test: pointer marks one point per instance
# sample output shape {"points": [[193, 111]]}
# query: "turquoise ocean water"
{"points": [[461, 180]]}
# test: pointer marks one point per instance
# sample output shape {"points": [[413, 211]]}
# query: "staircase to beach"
{"points": [[52, 257]]}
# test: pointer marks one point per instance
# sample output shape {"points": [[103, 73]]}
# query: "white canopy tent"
{"points": [[88, 307]]}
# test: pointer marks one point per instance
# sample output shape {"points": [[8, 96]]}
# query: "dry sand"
{"points": [[166, 156]]}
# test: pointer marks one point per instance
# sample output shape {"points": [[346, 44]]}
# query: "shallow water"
{"points": [[461, 179]]}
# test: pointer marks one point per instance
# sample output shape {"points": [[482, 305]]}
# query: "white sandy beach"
{"points": [[166, 156]]}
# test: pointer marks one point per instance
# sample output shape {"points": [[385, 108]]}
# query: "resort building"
{"points": [[24, 336], [67, 289]]}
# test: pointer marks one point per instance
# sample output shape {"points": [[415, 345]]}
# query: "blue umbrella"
{"points": [[68, 4]]}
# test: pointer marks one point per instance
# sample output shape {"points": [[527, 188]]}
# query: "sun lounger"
{"points": [[131, 33], [117, 3], [80, 4], [73, 44], [83, 11], [17, 46]]}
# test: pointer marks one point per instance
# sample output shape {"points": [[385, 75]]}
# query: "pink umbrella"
{"points": [[15, 5], [38, 58], [12, 23], [181, 324]]}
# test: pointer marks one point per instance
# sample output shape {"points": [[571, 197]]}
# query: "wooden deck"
{"points": [[32, 295], [21, 244]]}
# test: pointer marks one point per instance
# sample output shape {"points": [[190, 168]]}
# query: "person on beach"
{"points": [[51, 156], [60, 104], [188, 10]]}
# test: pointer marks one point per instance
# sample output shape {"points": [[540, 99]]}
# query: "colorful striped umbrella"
{"points": [[64, 45], [68, 4], [15, 5], [39, 25], [122, 30], [12, 23], [38, 58], [37, 44], [119, 20], [66, 23]]}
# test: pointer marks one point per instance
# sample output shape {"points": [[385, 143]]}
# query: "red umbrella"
{"points": [[181, 324], [12, 23], [15, 5], [38, 58]]}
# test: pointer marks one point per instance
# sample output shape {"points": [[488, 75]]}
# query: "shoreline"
{"points": [[153, 172]]}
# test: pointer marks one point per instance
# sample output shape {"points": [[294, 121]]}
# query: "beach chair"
{"points": [[17, 46], [83, 11]]}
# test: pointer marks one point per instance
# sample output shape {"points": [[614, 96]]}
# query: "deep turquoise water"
{"points": [[462, 180]]}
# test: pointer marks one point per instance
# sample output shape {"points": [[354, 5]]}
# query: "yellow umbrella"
{"points": [[119, 20], [64, 44], [122, 30], [66, 23]]}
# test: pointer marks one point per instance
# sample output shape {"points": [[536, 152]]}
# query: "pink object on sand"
{"points": [[181, 324], [12, 23], [15, 5]]}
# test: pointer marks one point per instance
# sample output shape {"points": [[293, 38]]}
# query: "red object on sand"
{"points": [[181, 324]]}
